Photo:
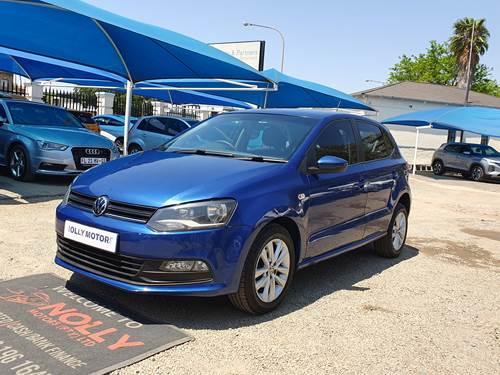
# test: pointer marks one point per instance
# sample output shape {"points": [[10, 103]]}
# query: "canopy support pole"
{"points": [[128, 110], [416, 147]]}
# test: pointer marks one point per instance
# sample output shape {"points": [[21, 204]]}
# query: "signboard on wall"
{"points": [[251, 53]]}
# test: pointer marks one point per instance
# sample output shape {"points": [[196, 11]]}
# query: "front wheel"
{"points": [[267, 273], [438, 167], [119, 144], [477, 173], [390, 246], [134, 149], [19, 164]]}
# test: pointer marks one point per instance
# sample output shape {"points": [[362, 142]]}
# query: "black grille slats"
{"points": [[98, 261], [119, 210], [79, 152]]}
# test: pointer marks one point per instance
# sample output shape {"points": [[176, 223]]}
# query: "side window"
{"points": [[101, 121], [337, 139], [452, 148], [174, 127], [142, 125], [115, 122], [155, 126], [373, 142]]}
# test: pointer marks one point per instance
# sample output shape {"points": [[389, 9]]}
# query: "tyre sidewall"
{"points": [[27, 168], [272, 232]]}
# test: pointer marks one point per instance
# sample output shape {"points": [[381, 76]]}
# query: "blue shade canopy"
{"points": [[479, 120], [75, 32], [291, 93]]}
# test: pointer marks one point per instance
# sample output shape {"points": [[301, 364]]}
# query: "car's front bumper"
{"points": [[492, 171], [59, 162], [221, 249]]}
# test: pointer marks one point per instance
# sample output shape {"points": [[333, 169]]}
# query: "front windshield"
{"points": [[484, 151], [254, 135], [34, 114]]}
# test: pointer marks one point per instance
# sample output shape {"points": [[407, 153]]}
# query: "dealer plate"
{"points": [[92, 161], [98, 238]]}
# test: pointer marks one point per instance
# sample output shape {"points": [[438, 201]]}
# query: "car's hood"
{"points": [[66, 136], [157, 178]]}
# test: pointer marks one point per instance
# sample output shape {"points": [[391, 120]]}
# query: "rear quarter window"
{"points": [[375, 142]]}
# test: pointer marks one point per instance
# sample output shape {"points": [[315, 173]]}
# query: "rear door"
{"points": [[336, 200], [379, 175], [451, 156], [4, 135]]}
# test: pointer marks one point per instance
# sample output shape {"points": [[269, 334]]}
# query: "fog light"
{"points": [[184, 266]]}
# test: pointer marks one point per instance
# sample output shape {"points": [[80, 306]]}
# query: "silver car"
{"points": [[473, 161], [152, 131], [41, 139]]}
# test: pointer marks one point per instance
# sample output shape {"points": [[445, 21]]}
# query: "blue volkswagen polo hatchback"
{"points": [[237, 205]]}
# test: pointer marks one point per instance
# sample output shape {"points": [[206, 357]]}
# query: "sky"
{"points": [[337, 43]]}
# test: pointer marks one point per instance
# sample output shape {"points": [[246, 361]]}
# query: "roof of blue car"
{"points": [[116, 117], [310, 113]]}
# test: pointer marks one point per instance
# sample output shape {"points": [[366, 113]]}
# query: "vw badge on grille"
{"points": [[93, 151], [100, 205]]}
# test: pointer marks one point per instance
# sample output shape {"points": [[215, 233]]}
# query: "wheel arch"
{"points": [[405, 200], [292, 228]]}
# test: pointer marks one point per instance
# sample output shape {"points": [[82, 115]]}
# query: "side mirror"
{"points": [[329, 164], [3, 120]]}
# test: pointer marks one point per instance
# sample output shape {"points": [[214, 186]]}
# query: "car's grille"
{"points": [[98, 261], [87, 152], [119, 210]]}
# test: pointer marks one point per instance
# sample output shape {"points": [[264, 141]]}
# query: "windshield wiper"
{"points": [[205, 152], [260, 159]]}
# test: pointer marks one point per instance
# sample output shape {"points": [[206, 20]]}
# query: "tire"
{"points": [[251, 298], [386, 246], [438, 168], [119, 144], [477, 173], [18, 164], [134, 149]]}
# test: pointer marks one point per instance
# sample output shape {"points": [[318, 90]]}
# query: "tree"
{"points": [[468, 31], [436, 65], [439, 65]]}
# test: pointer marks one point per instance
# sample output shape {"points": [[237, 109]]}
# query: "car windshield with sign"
{"points": [[253, 136]]}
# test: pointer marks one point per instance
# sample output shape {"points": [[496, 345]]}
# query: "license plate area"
{"points": [[92, 161], [98, 238]]}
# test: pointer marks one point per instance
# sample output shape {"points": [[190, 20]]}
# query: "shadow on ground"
{"points": [[44, 188], [455, 177], [310, 284]]}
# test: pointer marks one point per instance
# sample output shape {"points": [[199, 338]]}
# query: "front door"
{"points": [[336, 200], [4, 135]]}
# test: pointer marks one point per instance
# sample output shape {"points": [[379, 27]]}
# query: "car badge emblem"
{"points": [[100, 205], [92, 151]]}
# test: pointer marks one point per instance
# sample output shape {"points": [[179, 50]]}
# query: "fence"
{"points": [[140, 106], [72, 100], [12, 89], [189, 112]]}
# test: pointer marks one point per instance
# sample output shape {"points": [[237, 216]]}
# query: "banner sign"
{"points": [[251, 53], [48, 329]]}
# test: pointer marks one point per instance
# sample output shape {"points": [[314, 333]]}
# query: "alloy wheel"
{"points": [[477, 173], [17, 163], [272, 270], [438, 168], [399, 231]]}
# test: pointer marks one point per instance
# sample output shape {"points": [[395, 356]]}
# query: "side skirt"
{"points": [[341, 250]]}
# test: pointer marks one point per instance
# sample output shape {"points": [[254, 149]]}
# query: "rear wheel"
{"points": [[267, 273], [391, 245], [19, 164], [438, 167], [477, 173]]}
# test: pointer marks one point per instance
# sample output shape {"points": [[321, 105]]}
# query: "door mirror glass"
{"points": [[329, 164]]}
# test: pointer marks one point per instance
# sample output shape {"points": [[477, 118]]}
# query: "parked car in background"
{"points": [[473, 161], [41, 139], [86, 119], [236, 205], [152, 131], [112, 127]]}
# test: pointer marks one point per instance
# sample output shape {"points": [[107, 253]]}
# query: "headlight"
{"points": [[193, 216], [51, 146], [66, 196]]}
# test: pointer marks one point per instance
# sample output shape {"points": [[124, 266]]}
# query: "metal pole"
{"points": [[415, 153], [128, 110], [467, 88], [281, 36]]}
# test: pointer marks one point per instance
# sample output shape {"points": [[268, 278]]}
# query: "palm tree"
{"points": [[460, 45]]}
